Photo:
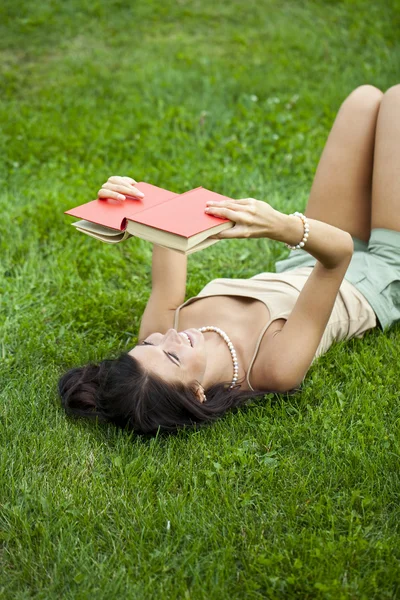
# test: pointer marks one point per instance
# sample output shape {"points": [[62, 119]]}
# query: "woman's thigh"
{"points": [[386, 177], [342, 187]]}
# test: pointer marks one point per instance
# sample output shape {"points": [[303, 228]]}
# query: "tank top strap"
{"points": [[253, 358], [176, 317], [178, 310]]}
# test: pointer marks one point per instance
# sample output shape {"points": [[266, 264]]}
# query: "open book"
{"points": [[177, 221]]}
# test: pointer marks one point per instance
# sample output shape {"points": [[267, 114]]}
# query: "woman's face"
{"points": [[175, 357]]}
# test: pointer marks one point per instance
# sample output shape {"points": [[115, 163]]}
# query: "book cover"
{"points": [[176, 221], [113, 213], [182, 215]]}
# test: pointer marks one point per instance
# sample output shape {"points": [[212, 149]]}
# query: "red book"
{"points": [[176, 221], [113, 213]]}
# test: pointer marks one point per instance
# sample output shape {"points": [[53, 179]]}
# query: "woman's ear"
{"points": [[199, 391]]}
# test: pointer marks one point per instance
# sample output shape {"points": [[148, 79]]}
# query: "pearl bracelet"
{"points": [[305, 234]]}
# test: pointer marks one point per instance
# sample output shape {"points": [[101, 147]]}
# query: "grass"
{"points": [[286, 498]]}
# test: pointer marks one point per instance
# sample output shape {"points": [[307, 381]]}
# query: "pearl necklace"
{"points": [[231, 350]]}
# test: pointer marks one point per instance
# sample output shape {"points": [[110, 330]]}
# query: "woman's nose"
{"points": [[172, 334]]}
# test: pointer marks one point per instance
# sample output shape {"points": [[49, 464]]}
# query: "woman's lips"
{"points": [[188, 337]]}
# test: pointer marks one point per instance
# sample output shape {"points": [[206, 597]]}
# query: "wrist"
{"points": [[306, 231], [288, 229]]}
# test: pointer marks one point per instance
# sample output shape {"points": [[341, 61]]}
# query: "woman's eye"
{"points": [[144, 343]]}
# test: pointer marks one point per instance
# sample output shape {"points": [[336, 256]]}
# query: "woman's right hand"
{"points": [[252, 218], [118, 188]]}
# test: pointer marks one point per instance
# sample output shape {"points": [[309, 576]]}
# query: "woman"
{"points": [[241, 338]]}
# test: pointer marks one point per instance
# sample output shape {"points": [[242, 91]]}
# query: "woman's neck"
{"points": [[219, 368]]}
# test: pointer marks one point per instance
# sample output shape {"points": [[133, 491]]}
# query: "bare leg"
{"points": [[341, 192], [386, 177]]}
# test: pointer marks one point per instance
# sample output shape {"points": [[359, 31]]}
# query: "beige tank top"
{"points": [[351, 316]]}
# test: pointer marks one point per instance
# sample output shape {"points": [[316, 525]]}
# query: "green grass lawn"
{"points": [[293, 497]]}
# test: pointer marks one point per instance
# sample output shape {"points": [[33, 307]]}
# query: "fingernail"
{"points": [[141, 194], [121, 197]]}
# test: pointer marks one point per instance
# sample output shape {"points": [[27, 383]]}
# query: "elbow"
{"points": [[343, 253], [347, 251], [348, 246]]}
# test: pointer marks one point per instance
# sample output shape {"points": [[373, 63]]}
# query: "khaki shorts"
{"points": [[374, 271]]}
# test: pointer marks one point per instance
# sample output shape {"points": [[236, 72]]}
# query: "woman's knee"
{"points": [[392, 94], [365, 97]]}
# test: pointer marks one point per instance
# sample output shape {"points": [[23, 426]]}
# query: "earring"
{"points": [[202, 397]]}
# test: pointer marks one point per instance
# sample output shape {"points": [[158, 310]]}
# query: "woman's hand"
{"points": [[118, 188], [252, 218], [331, 246]]}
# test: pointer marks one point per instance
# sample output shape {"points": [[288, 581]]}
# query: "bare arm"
{"points": [[168, 276], [293, 347], [326, 243], [168, 268], [256, 219], [167, 290], [291, 350]]}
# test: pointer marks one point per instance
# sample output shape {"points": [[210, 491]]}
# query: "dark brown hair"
{"points": [[122, 392]]}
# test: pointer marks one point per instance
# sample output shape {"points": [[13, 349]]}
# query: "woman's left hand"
{"points": [[252, 218]]}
